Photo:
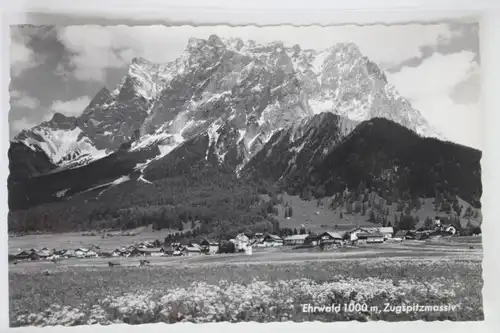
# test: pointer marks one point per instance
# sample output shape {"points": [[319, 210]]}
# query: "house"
{"points": [[91, 254], [387, 232], [61, 252], [35, 256], [198, 246], [53, 257], [257, 239], [371, 237], [311, 239], [151, 252], [116, 253], [335, 237], [352, 234], [209, 246], [295, 239], [401, 234], [43, 255], [447, 229], [240, 241], [168, 250], [69, 254], [24, 255], [190, 251], [272, 240], [105, 254]]}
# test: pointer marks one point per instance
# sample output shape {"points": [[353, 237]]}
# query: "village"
{"points": [[242, 243]]}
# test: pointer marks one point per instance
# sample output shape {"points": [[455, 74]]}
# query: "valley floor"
{"points": [[270, 285]]}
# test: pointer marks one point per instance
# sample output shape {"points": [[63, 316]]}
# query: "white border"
{"points": [[296, 12]]}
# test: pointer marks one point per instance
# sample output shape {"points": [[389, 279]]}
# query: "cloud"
{"points": [[431, 86], [25, 102], [18, 125], [71, 108], [15, 94], [114, 47], [21, 58]]}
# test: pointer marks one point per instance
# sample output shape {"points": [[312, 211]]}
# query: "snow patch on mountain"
{"points": [[61, 146]]}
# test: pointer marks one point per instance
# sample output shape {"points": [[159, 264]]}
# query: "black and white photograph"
{"points": [[203, 174]]}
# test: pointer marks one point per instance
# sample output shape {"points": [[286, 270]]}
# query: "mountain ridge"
{"points": [[233, 76], [141, 179]]}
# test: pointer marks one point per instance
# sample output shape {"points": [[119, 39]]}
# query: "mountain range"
{"points": [[238, 114]]}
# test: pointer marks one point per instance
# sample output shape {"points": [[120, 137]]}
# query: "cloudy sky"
{"points": [[60, 69]]}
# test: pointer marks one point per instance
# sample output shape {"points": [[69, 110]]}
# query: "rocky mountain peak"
{"points": [[258, 88]]}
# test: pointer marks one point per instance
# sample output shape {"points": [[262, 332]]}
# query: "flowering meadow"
{"points": [[260, 293]]}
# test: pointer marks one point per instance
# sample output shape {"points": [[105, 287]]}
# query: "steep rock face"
{"points": [[27, 162], [293, 151], [259, 89]]}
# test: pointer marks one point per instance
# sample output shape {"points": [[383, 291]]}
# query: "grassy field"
{"points": [[270, 285]]}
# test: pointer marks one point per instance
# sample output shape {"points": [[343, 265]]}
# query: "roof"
{"points": [[331, 234], [358, 228], [274, 237], [370, 234], [401, 232], [384, 230], [312, 236], [242, 237], [191, 249], [151, 249], [209, 242], [44, 253], [297, 237]]}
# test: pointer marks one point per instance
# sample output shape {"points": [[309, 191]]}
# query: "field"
{"points": [[270, 285], [75, 240]]}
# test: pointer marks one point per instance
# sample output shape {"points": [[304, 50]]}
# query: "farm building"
{"points": [[295, 239], [190, 251], [272, 240], [209, 246], [371, 237]]}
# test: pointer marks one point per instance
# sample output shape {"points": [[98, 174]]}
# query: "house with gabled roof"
{"points": [[270, 240], [295, 239], [209, 246], [190, 251], [371, 237], [152, 252]]}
